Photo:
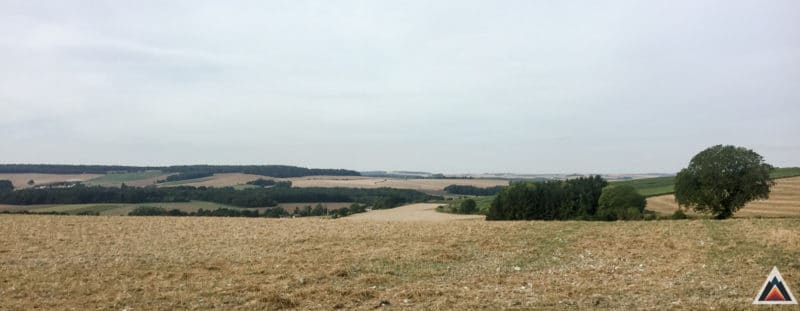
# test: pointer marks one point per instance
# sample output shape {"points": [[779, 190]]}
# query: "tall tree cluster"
{"points": [[550, 200]]}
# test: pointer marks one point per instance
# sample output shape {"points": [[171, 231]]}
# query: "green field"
{"points": [[666, 185], [783, 172], [483, 203], [650, 186], [115, 179]]}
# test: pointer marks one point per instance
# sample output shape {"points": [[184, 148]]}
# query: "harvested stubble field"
{"points": [[149, 263], [20, 181], [435, 186], [784, 201], [216, 180], [137, 179]]}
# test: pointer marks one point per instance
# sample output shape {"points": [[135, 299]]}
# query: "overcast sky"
{"points": [[441, 86]]}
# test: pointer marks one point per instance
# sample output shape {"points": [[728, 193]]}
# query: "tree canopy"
{"points": [[552, 200], [722, 179]]}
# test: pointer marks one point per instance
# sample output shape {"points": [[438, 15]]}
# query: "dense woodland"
{"points": [[257, 197], [282, 171], [551, 200], [472, 190]]}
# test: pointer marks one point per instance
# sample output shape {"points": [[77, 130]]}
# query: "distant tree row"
{"points": [[187, 176], [6, 185], [71, 169], [472, 190], [219, 212], [270, 183], [262, 182], [276, 212], [281, 171], [258, 197]]}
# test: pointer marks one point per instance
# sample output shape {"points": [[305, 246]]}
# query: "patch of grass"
{"points": [[650, 186], [122, 178], [483, 203]]}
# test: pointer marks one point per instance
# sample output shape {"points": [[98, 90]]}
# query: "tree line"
{"points": [[186, 176], [276, 212], [270, 183], [257, 197], [472, 190], [281, 171]]}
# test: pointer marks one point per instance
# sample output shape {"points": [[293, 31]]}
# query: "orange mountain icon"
{"points": [[775, 290]]}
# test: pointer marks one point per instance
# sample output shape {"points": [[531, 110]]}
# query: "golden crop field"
{"points": [[784, 201], [163, 263]]}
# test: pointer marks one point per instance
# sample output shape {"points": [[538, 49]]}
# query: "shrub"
{"points": [[679, 214], [147, 211], [468, 206], [621, 202]]}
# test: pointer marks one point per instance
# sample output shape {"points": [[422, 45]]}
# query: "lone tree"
{"points": [[722, 179]]}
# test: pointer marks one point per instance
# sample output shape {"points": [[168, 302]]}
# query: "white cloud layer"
{"points": [[444, 86]]}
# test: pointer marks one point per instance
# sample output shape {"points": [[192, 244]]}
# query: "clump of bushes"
{"points": [[679, 214], [468, 206], [147, 211], [271, 183], [262, 182], [621, 202]]}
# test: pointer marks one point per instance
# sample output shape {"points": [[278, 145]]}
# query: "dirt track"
{"points": [[413, 212]]}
